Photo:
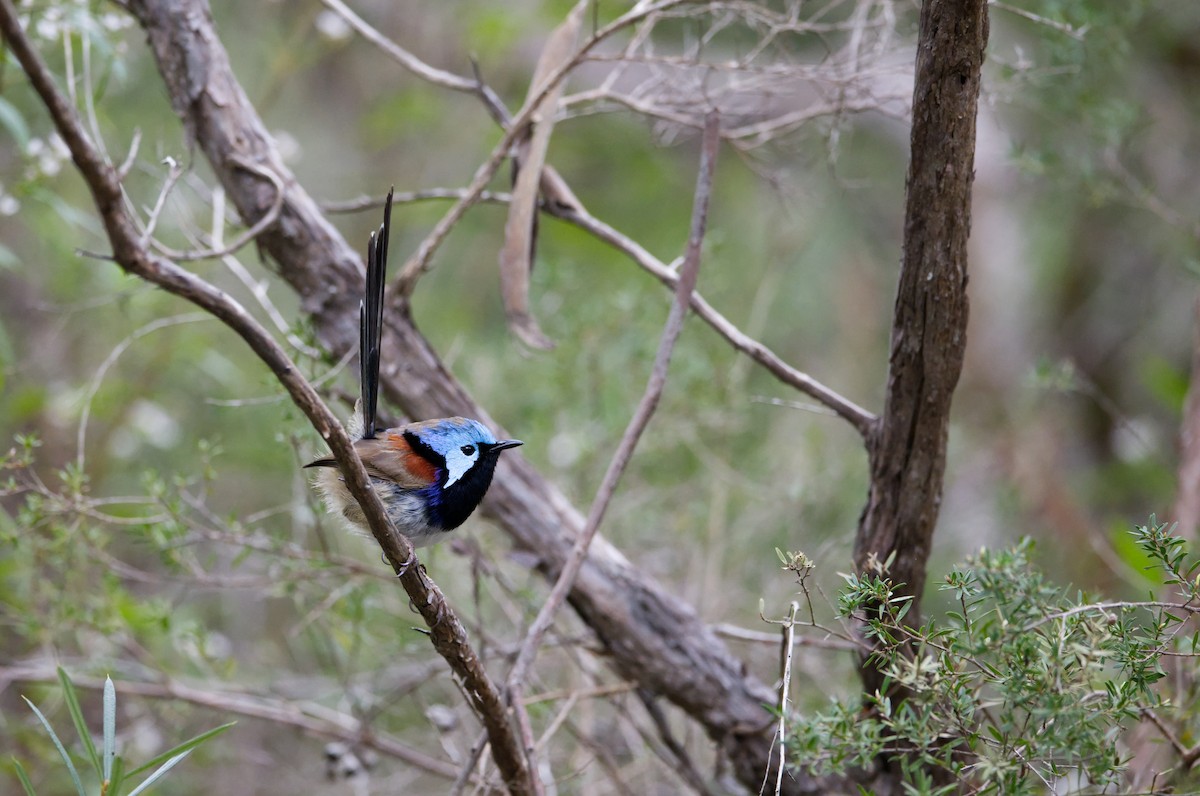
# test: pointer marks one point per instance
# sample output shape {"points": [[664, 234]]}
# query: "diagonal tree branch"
{"points": [[131, 253], [852, 413], [652, 637], [688, 274]]}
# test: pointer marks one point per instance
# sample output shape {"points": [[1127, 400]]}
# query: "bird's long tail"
{"points": [[370, 319]]}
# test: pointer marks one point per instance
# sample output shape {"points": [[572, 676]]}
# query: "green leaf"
{"points": [[21, 775], [160, 773], [76, 712], [58, 745], [186, 746], [117, 779]]}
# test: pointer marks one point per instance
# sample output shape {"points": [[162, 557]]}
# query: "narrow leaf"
{"points": [[58, 745], [76, 711], [117, 780], [186, 746], [160, 773], [110, 726], [12, 120], [21, 775]]}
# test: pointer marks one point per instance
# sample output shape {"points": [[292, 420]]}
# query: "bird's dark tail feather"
{"points": [[370, 320]]}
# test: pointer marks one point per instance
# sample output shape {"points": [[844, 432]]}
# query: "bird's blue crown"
{"points": [[452, 433]]}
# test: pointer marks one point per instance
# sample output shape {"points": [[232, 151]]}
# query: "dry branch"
{"points": [[520, 231], [131, 253], [652, 637], [688, 274], [560, 202]]}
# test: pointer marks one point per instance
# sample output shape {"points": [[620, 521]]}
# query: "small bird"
{"points": [[430, 475]]}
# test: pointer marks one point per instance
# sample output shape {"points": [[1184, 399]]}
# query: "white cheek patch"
{"points": [[457, 464]]}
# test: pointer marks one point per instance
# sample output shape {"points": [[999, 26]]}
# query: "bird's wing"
{"points": [[391, 458]]}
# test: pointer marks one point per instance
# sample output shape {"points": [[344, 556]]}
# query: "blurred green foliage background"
{"points": [[1083, 281]]}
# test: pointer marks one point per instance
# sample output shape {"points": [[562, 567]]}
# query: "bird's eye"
{"points": [[468, 450]]}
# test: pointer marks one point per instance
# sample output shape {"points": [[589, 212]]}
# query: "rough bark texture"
{"points": [[907, 446], [653, 638]]}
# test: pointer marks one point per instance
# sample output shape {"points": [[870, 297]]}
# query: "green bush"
{"points": [[1025, 688]]}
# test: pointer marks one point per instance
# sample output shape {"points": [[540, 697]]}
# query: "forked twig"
{"points": [[575, 213], [269, 218], [419, 262]]}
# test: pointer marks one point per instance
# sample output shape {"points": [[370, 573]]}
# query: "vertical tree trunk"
{"points": [[907, 447]]}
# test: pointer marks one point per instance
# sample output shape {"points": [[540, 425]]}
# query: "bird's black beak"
{"points": [[504, 444]]}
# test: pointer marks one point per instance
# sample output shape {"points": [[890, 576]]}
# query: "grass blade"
{"points": [[58, 745], [186, 746]]}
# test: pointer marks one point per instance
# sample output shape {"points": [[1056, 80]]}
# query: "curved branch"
{"points": [[652, 637], [689, 272], [446, 631]]}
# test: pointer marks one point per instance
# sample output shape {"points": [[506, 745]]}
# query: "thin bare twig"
{"points": [[686, 284], [419, 262], [1076, 33], [679, 760], [131, 158], [174, 172], [373, 202], [439, 77], [269, 218], [789, 635], [468, 766], [1167, 732], [759, 637], [862, 420]]}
